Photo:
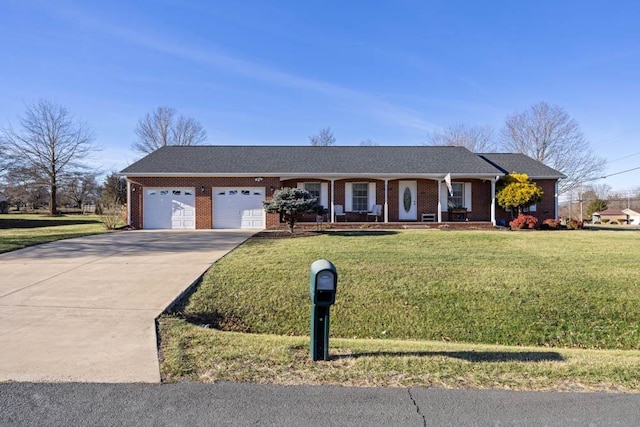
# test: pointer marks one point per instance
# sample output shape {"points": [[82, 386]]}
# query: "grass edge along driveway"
{"points": [[206, 354], [18, 231]]}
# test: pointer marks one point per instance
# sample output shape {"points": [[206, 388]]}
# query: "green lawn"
{"points": [[21, 230], [524, 310], [559, 288]]}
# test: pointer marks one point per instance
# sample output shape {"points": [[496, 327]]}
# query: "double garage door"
{"points": [[175, 208]]}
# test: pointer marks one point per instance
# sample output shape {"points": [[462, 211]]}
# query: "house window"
{"points": [[457, 200], [313, 188], [360, 196]]}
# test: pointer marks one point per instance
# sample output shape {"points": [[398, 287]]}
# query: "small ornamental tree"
{"points": [[518, 192], [291, 204]]}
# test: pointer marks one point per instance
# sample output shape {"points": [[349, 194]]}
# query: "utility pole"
{"points": [[629, 199], [571, 204], [580, 199]]}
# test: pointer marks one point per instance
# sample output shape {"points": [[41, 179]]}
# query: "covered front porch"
{"points": [[401, 201]]}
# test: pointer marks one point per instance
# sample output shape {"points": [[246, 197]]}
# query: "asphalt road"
{"points": [[226, 404]]}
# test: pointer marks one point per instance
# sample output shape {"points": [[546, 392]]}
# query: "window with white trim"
{"points": [[360, 196], [313, 188], [457, 200]]}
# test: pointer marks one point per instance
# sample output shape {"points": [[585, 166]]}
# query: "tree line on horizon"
{"points": [[46, 153], [43, 160]]}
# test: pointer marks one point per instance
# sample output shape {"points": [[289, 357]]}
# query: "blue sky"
{"points": [[275, 72]]}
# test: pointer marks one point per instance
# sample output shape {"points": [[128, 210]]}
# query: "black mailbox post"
{"points": [[323, 282]]}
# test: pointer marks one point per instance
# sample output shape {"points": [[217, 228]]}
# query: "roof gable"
{"points": [[617, 212], [521, 163]]}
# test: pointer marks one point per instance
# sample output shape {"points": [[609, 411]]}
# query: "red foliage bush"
{"points": [[524, 221]]}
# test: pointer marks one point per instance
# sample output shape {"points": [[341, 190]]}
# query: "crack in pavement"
{"points": [[424, 419]]}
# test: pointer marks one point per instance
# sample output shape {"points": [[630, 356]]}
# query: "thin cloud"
{"points": [[370, 104]]}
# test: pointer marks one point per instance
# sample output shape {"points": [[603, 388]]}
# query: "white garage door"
{"points": [[169, 208], [236, 207]]}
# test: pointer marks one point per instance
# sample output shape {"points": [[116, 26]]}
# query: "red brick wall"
{"points": [[427, 197], [480, 200], [546, 208]]}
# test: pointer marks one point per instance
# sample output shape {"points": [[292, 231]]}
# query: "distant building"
{"points": [[624, 216]]}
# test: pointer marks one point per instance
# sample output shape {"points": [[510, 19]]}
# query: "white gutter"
{"points": [[555, 196], [318, 175]]}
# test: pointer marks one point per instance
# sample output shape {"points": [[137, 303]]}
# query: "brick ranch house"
{"points": [[203, 187]]}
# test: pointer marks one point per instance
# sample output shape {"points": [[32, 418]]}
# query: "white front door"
{"points": [[408, 207], [238, 207]]}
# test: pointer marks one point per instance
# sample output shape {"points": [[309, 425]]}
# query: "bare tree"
{"points": [[324, 138], [477, 139], [601, 190], [161, 127], [25, 187], [548, 134], [112, 201], [49, 143], [4, 160], [80, 188]]}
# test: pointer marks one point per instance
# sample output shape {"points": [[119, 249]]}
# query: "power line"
{"points": [[624, 157], [619, 173]]}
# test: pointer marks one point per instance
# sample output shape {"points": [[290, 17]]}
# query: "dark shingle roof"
{"points": [[304, 160], [611, 212], [517, 162]]}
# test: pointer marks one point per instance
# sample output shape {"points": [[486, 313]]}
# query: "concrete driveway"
{"points": [[84, 309]]}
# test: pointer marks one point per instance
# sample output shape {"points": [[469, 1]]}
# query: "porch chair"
{"points": [[339, 211], [376, 210]]}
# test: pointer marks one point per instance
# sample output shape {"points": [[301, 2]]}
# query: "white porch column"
{"points": [[439, 204], [333, 216], [386, 200], [493, 201]]}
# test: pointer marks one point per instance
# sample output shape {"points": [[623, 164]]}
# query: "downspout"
{"points": [[555, 197], [128, 202], [386, 200]]}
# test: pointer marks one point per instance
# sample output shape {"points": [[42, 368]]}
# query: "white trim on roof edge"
{"points": [[288, 176]]}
